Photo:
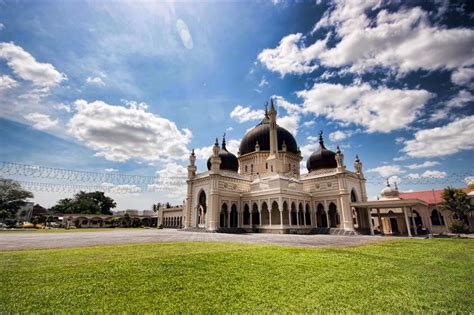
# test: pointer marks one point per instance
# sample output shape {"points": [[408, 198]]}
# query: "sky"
{"points": [[127, 87]]}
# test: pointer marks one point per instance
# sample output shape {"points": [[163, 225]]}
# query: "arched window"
{"points": [[251, 168], [353, 196], [246, 168], [266, 166], [436, 217], [246, 215]]}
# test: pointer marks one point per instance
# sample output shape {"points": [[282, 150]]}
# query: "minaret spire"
{"points": [[223, 142], [272, 160]]}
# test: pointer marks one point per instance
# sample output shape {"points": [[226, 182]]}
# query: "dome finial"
{"points": [[217, 142], [321, 140], [223, 141], [388, 184], [266, 109], [338, 150]]}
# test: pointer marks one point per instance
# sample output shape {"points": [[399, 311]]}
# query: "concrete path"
{"points": [[30, 240]]}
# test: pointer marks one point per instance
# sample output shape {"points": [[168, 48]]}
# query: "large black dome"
{"points": [[261, 133], [322, 158], [229, 161]]}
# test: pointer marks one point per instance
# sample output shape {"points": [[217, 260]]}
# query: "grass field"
{"points": [[396, 276]]}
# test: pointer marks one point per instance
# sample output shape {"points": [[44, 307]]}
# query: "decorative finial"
{"points": [[192, 152], [388, 184], [223, 141], [396, 186], [217, 142], [266, 109], [338, 150], [357, 158], [321, 141]]}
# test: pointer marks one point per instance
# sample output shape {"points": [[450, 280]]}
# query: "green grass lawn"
{"points": [[397, 277]]}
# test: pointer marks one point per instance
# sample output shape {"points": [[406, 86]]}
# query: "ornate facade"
{"points": [[261, 189]]}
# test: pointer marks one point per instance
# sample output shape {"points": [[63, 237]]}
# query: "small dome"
{"points": [[389, 192], [322, 158], [261, 135], [229, 161]]}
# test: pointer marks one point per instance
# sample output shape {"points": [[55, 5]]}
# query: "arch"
{"points": [[293, 214], [321, 217], [436, 217], [353, 195], [285, 214], [300, 214], [275, 214], [223, 216], [201, 210], [234, 221], [265, 214], [255, 215], [333, 215], [246, 214], [307, 215]]}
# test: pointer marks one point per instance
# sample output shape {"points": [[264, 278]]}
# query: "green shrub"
{"points": [[459, 227]]}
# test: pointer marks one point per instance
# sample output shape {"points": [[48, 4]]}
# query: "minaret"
{"points": [[340, 161], [272, 159], [215, 159], [192, 165], [358, 167]]}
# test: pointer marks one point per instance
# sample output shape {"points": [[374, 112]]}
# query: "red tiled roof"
{"points": [[427, 196]]}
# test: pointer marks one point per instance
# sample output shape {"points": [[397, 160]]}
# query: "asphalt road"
{"points": [[32, 240]]}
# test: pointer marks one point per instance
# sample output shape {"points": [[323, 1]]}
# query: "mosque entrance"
{"points": [[224, 216], [333, 216], [321, 218], [201, 210], [233, 217]]}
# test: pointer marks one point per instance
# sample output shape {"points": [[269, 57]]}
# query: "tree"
{"points": [[127, 220], [86, 203], [168, 205], [156, 207], [457, 202], [12, 196]]}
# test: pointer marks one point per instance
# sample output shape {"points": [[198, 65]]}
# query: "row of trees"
{"points": [[86, 203]]}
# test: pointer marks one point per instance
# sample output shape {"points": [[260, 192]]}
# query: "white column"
{"points": [[328, 222], [281, 217], [406, 221], [413, 222], [370, 221]]}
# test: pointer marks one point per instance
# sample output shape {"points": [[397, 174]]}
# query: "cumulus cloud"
{"points": [[378, 109], [440, 141], [172, 178], [400, 41], [463, 98], [121, 189], [41, 121], [244, 114], [7, 82], [62, 106], [423, 165], [120, 133], [291, 56], [463, 76], [428, 174], [110, 170], [339, 135], [2, 26], [203, 153], [386, 170], [290, 123], [263, 82], [95, 81], [25, 66]]}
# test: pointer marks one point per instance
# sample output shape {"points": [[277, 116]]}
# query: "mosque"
{"points": [[261, 190]]}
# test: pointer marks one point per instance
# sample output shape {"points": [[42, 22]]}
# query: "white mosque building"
{"points": [[261, 190]]}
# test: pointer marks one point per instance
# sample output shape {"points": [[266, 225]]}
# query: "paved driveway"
{"points": [[28, 240]]}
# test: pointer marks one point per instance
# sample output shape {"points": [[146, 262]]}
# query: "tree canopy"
{"points": [[12, 196], [86, 203], [456, 201]]}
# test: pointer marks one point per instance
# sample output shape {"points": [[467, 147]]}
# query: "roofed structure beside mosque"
{"points": [[260, 189]]}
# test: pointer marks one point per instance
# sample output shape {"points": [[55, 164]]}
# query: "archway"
{"points": [[285, 214], [223, 217], [300, 214], [246, 215], [321, 218], [265, 214], [333, 215], [275, 214], [234, 221], [307, 215], [436, 217], [294, 220], [255, 215], [353, 196], [201, 209]]}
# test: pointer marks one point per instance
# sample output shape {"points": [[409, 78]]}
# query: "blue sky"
{"points": [[132, 87]]}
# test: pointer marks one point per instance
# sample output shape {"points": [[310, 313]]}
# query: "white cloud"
{"points": [[95, 81], [462, 76], [364, 105], [184, 34], [401, 158], [62, 106], [2, 26], [309, 123], [41, 121], [428, 174], [119, 133], [423, 165], [26, 67], [308, 149], [7, 82], [290, 123], [121, 189], [172, 179], [312, 138], [291, 56], [440, 141], [244, 114], [263, 82], [400, 41], [203, 153], [386, 170], [290, 108], [461, 99], [339, 135], [110, 170], [469, 179]]}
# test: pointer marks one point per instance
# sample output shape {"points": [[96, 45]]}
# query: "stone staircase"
{"points": [[333, 231], [231, 230]]}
